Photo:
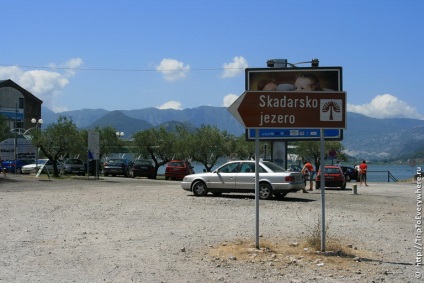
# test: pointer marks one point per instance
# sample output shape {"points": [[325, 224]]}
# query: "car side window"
{"points": [[247, 168], [229, 168], [262, 170]]}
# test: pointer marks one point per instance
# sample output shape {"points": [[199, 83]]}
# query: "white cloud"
{"points": [[44, 84], [173, 69], [386, 106], [171, 105], [235, 68], [229, 99], [69, 66]]}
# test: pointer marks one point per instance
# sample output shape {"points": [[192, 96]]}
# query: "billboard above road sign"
{"points": [[324, 78], [291, 109]]}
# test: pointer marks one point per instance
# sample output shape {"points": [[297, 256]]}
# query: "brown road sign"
{"points": [[291, 109]]}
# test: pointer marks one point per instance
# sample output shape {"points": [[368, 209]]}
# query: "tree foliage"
{"points": [[57, 140], [242, 149], [4, 129], [311, 150], [157, 144], [207, 144]]}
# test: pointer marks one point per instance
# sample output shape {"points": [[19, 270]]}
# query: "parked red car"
{"points": [[334, 177], [178, 169]]}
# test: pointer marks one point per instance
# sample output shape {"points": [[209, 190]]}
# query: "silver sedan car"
{"points": [[33, 168], [239, 177]]}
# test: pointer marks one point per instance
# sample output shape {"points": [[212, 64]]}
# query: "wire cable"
{"points": [[115, 70]]}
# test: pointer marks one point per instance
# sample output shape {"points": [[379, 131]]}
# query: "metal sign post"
{"points": [[322, 186], [257, 188], [94, 149]]}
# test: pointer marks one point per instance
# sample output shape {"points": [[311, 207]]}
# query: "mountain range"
{"points": [[365, 137]]}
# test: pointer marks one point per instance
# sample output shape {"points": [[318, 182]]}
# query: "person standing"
{"points": [[363, 171], [308, 173], [358, 172]]}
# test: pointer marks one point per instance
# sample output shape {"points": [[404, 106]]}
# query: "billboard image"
{"points": [[294, 79]]}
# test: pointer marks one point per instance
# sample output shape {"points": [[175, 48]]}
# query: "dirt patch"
{"points": [[279, 253]]}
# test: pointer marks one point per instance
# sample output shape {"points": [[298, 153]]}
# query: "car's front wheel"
{"points": [[131, 174], [200, 189], [265, 191], [348, 178]]}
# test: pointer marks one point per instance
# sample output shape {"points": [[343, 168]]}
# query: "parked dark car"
{"points": [[350, 173], [74, 166], [12, 166], [116, 166], [143, 168], [178, 169], [334, 177]]}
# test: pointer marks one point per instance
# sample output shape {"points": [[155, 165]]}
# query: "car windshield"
{"points": [[116, 161], [176, 164], [332, 170], [143, 162], [73, 161], [274, 167]]}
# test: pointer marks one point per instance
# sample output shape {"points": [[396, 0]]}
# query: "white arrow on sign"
{"points": [[233, 109]]}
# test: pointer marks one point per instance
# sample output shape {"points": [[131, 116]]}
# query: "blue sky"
{"points": [[116, 55]]}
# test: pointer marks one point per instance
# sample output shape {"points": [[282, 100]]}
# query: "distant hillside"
{"points": [[203, 115], [364, 138], [121, 122], [82, 118], [372, 138], [208, 115]]}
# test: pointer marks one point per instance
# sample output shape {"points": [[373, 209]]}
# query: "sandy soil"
{"points": [[139, 230]]}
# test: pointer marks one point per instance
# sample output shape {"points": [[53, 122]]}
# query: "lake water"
{"points": [[379, 173], [376, 172]]}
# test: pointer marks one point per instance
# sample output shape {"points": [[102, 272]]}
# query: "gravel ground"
{"points": [[140, 230]]}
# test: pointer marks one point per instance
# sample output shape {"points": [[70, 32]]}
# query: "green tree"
{"points": [[4, 129], [243, 149], [208, 144], [57, 140], [157, 144], [311, 150]]}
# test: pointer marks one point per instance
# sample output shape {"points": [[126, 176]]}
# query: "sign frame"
{"points": [[332, 78]]}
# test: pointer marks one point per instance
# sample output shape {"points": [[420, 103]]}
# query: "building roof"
{"points": [[10, 83]]}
